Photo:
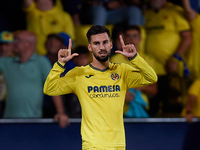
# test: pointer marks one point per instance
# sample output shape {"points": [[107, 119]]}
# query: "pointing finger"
{"points": [[118, 51], [121, 41], [70, 44]]}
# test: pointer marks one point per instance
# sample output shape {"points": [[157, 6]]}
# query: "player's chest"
{"points": [[102, 78]]}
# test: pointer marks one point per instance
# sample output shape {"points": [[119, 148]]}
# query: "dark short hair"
{"points": [[56, 36], [132, 27], [97, 29]]}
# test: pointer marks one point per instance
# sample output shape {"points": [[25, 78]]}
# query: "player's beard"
{"points": [[102, 58]]}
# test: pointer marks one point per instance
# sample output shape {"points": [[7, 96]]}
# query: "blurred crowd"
{"points": [[165, 33]]}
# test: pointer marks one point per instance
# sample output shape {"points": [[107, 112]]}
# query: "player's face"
{"points": [[100, 46]]}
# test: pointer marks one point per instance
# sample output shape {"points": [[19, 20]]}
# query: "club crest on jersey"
{"points": [[114, 76]]}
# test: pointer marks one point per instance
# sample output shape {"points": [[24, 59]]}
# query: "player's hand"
{"points": [[64, 55], [63, 119], [128, 50]]}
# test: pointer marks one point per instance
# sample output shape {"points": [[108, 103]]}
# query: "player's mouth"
{"points": [[103, 53]]}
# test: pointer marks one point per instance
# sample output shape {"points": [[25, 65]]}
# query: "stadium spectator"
{"points": [[101, 87], [83, 58], [168, 37], [44, 18], [25, 74], [103, 12], [6, 50]]}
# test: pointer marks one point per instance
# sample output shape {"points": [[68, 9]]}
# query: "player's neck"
{"points": [[100, 65]]}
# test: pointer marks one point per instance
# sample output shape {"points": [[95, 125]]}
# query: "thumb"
{"points": [[74, 54], [118, 51]]}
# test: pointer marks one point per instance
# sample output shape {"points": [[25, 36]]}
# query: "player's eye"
{"points": [[105, 42], [96, 43]]}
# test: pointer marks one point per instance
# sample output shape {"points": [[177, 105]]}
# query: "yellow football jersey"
{"points": [[101, 94], [163, 33], [43, 23], [194, 90]]}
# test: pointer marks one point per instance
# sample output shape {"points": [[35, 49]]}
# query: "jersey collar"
{"points": [[98, 69]]}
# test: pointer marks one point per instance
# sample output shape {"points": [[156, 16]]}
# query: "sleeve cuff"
{"points": [[133, 57], [62, 65]]}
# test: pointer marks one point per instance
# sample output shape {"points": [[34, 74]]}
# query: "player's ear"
{"points": [[111, 45], [89, 47]]}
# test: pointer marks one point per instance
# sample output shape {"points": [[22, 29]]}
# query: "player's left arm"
{"points": [[141, 73]]}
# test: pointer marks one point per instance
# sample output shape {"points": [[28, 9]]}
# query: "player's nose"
{"points": [[102, 46]]}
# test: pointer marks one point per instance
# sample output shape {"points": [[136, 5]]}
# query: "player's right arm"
{"points": [[54, 84]]}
